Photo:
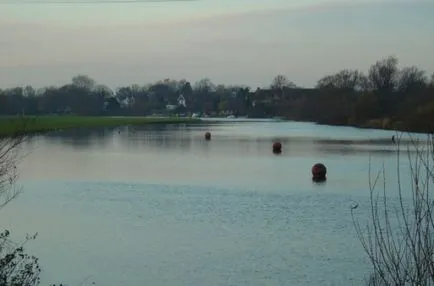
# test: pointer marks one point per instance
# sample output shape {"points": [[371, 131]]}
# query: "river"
{"points": [[159, 205]]}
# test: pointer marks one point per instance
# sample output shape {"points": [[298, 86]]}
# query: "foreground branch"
{"points": [[16, 267], [399, 236]]}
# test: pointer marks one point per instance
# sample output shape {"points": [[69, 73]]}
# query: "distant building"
{"points": [[171, 107], [181, 101]]}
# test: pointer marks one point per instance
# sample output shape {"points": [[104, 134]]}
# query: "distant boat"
{"points": [[231, 116]]}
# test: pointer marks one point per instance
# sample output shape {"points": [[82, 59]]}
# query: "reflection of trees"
{"points": [[81, 138], [167, 136], [358, 147], [152, 135], [309, 145], [341, 149]]}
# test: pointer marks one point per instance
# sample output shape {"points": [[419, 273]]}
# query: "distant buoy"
{"points": [[207, 136], [319, 172], [277, 147]]}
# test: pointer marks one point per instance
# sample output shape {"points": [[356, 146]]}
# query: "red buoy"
{"points": [[319, 172], [207, 136], [277, 147]]}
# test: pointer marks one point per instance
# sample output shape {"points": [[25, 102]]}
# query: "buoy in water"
{"points": [[277, 147], [319, 172], [207, 136]]}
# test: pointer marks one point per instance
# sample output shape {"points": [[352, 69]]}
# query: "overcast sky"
{"points": [[230, 41]]}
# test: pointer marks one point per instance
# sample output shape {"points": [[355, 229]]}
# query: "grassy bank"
{"points": [[11, 125], [409, 124], [406, 125]]}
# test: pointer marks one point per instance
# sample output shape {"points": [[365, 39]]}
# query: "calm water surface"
{"points": [[159, 205]]}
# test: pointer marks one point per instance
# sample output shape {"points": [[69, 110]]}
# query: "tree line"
{"points": [[386, 97]]}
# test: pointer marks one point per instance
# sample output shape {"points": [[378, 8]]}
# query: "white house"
{"points": [[171, 107], [181, 101]]}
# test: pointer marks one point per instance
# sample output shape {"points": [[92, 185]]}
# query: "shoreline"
{"points": [[18, 125], [27, 125], [380, 127]]}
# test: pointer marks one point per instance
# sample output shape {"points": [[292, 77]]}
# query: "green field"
{"points": [[10, 125]]}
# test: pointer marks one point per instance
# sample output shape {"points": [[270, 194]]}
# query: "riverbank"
{"points": [[411, 126], [10, 125]]}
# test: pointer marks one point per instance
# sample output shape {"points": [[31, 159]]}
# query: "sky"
{"points": [[248, 42]]}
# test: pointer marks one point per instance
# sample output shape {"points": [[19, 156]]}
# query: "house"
{"points": [[171, 107], [181, 101]]}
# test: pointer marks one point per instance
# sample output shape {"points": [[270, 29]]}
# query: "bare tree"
{"points": [[16, 267], [8, 170], [365, 84], [29, 91], [411, 78], [104, 91], [83, 81], [280, 82], [383, 74], [399, 236], [205, 86], [345, 79]]}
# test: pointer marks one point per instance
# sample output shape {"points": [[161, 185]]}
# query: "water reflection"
{"points": [[81, 138], [319, 181], [203, 212], [190, 138], [181, 155], [157, 137]]}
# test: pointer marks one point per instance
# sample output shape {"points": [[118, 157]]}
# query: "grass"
{"points": [[10, 125]]}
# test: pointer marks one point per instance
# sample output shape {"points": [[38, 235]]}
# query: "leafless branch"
{"points": [[399, 236], [10, 147]]}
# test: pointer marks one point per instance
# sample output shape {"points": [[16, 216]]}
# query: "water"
{"points": [[159, 205]]}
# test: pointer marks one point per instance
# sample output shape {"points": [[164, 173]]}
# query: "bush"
{"points": [[16, 267]]}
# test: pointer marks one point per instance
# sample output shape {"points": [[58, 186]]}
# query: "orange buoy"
{"points": [[207, 136], [319, 172], [277, 147]]}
